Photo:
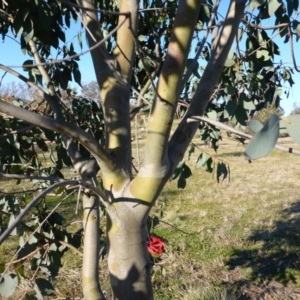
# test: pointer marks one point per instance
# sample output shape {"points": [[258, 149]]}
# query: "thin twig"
{"points": [[57, 61], [263, 44], [21, 191], [17, 131], [25, 211], [78, 199], [7, 265], [106, 12], [210, 155], [138, 48], [140, 95], [23, 78], [292, 49], [182, 231], [158, 64], [21, 176], [2, 77], [36, 230], [137, 140], [263, 27]]}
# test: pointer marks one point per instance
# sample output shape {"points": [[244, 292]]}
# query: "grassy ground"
{"points": [[243, 240], [241, 237]]}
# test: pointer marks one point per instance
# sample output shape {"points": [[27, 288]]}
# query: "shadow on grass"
{"points": [[232, 154], [276, 253]]}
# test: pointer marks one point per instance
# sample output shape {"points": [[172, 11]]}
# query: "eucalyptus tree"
{"points": [[163, 53]]}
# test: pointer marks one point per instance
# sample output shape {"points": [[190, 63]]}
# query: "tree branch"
{"points": [[106, 162], [21, 176], [155, 166], [240, 133], [164, 104], [124, 53], [114, 94], [51, 98], [292, 48], [103, 64], [264, 27], [58, 61], [23, 78], [106, 12], [187, 127], [193, 64]]}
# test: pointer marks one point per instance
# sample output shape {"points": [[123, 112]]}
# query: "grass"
{"points": [[241, 237]]}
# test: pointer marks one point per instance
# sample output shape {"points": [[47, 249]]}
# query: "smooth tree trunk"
{"points": [[90, 267], [128, 258]]}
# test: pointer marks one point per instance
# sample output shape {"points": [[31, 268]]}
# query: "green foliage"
{"points": [[22, 152], [43, 240], [210, 134], [182, 172], [89, 116], [45, 287], [219, 168], [45, 24]]}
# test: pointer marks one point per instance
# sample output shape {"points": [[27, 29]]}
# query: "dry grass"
{"points": [[248, 242], [243, 240]]}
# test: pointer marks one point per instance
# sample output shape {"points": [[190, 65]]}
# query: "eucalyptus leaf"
{"points": [[45, 287], [28, 30], [181, 183], [249, 105], [231, 107], [255, 3], [177, 171], [221, 171], [265, 140], [229, 62], [201, 160], [292, 124], [186, 172], [212, 115], [8, 285], [209, 165], [273, 6], [255, 125], [11, 220]]}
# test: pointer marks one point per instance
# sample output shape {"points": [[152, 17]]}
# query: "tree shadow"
{"points": [[275, 253], [233, 154], [125, 288]]}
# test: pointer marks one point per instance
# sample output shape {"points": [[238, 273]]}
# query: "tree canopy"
{"points": [[171, 56]]}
